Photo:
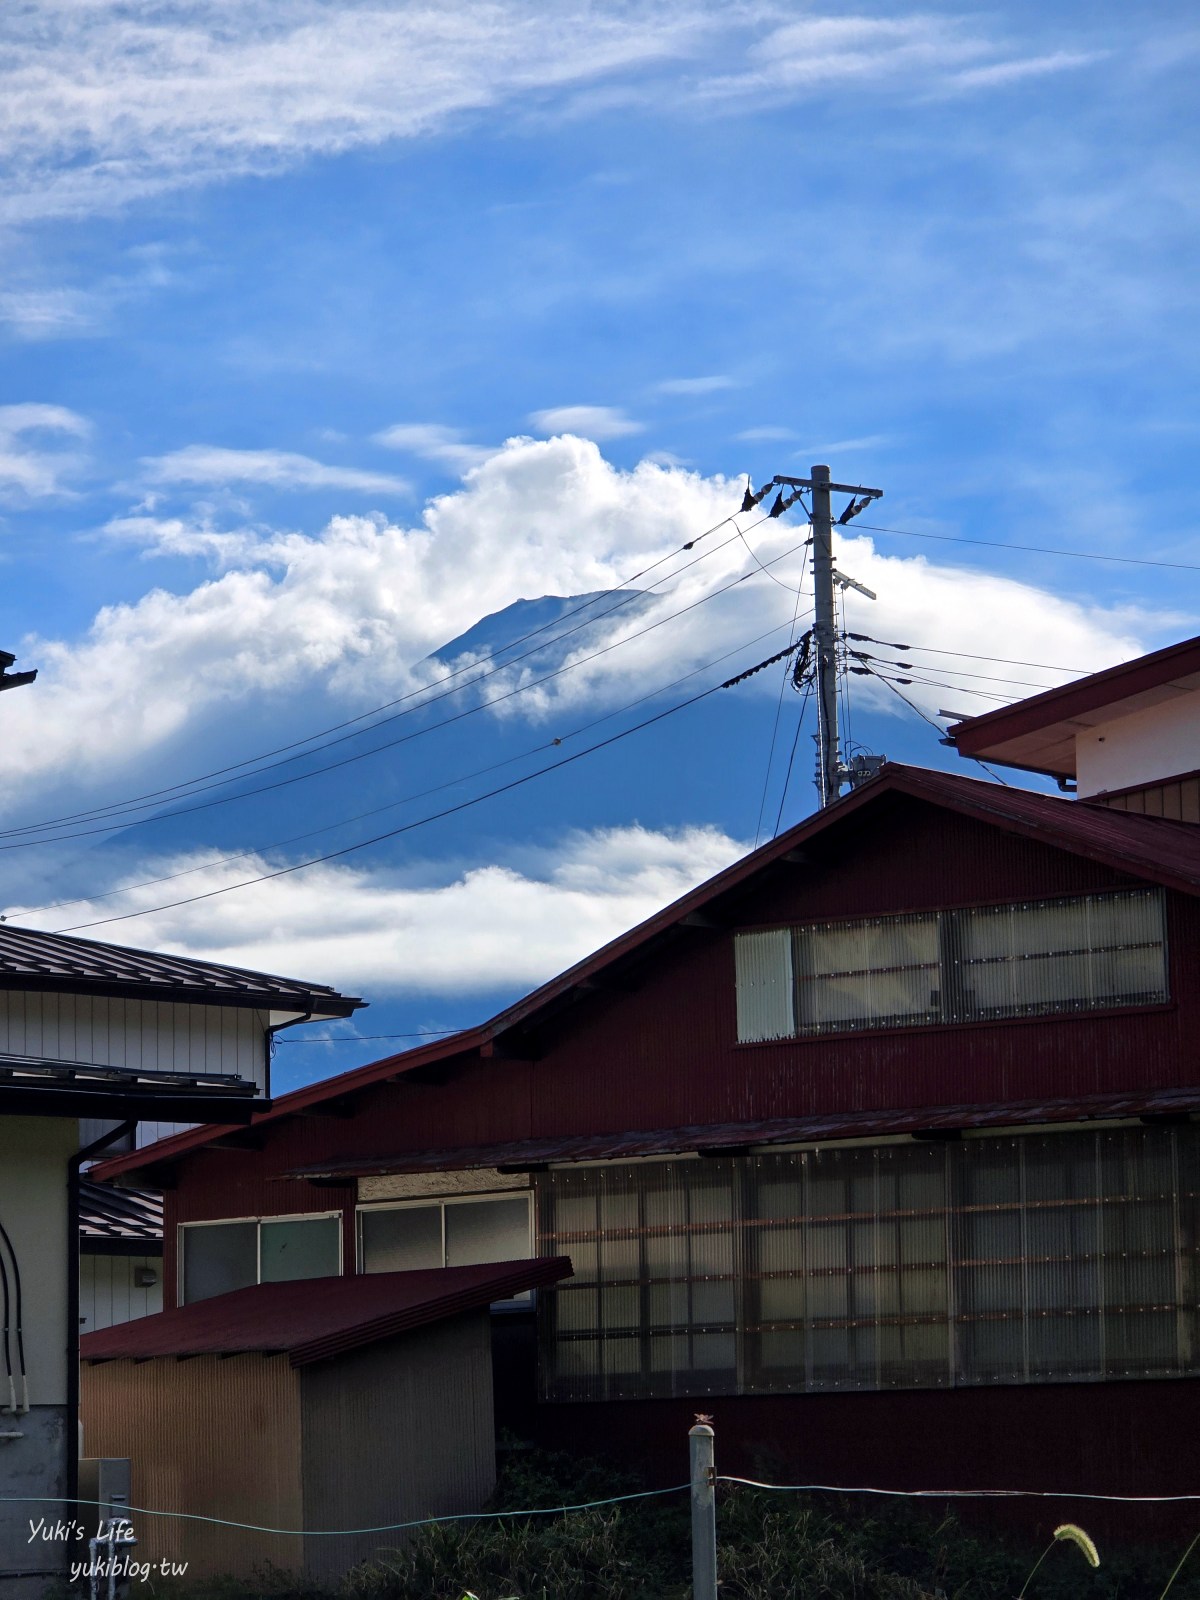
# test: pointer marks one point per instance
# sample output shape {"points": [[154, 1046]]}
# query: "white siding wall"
{"points": [[108, 1293], [146, 1035]]}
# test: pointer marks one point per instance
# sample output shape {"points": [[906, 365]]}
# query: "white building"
{"points": [[95, 1039]]}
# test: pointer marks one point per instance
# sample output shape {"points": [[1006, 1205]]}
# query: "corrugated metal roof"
{"points": [[33, 960], [728, 1136], [126, 1214], [1146, 848], [313, 1319]]}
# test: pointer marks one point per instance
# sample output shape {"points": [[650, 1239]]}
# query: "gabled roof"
{"points": [[1148, 848], [1038, 734], [314, 1319], [57, 961]]}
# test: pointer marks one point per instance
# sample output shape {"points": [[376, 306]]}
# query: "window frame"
{"points": [[224, 1222], [951, 924], [519, 1302]]}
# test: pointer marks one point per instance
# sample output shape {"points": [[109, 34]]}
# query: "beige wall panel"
{"points": [[416, 1185], [216, 1437], [34, 1152]]}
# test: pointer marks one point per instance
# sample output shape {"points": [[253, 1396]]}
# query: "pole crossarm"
{"points": [[834, 488]]}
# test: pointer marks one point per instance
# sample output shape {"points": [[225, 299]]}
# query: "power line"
{"points": [[363, 755], [408, 827], [139, 802], [450, 783], [1035, 549], [913, 707], [787, 777]]}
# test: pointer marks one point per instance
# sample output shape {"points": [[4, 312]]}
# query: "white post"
{"points": [[704, 1512]]}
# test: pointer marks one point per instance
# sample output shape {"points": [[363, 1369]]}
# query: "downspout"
{"points": [[74, 1164], [272, 1029]]}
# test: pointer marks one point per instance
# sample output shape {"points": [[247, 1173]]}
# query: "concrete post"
{"points": [[704, 1512]]}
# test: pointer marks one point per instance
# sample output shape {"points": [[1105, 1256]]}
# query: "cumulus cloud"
{"points": [[28, 469], [211, 465], [338, 619], [594, 422], [486, 928]]}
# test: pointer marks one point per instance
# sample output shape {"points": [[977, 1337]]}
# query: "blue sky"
{"points": [[329, 330]]}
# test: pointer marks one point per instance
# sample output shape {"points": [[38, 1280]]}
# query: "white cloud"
{"points": [[696, 386], [280, 469], [107, 102], [1000, 73], [917, 51], [28, 470], [336, 621], [433, 442], [48, 312], [840, 447], [592, 422], [490, 927], [766, 434]]}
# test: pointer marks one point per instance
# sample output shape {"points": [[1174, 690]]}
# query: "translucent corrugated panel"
{"points": [[1062, 954], [1040, 1258], [866, 973], [1044, 956], [765, 995]]}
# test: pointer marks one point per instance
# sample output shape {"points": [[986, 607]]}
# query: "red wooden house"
{"points": [[880, 1146]]}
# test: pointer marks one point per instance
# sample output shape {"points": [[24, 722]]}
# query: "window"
{"points": [[1033, 1259], [975, 964], [216, 1257], [652, 1305], [444, 1233]]}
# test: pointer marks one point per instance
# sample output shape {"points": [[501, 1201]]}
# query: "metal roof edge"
{"points": [[537, 1273], [1070, 699]]}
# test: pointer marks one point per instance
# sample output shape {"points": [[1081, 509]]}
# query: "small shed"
{"points": [[315, 1405]]}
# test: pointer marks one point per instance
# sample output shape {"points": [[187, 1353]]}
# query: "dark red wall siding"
{"points": [[1128, 1439], [658, 1049]]}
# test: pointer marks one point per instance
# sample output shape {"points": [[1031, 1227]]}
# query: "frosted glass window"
{"points": [[301, 1247], [972, 964], [449, 1233], [492, 1230], [218, 1257], [402, 1240]]}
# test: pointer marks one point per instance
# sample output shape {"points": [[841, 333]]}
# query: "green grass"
{"points": [[770, 1547]]}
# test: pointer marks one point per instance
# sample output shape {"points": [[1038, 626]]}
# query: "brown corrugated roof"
{"points": [[57, 961], [313, 1319], [1148, 848], [715, 1137]]}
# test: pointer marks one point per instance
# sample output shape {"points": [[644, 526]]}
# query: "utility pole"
{"points": [[832, 772], [829, 761]]}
